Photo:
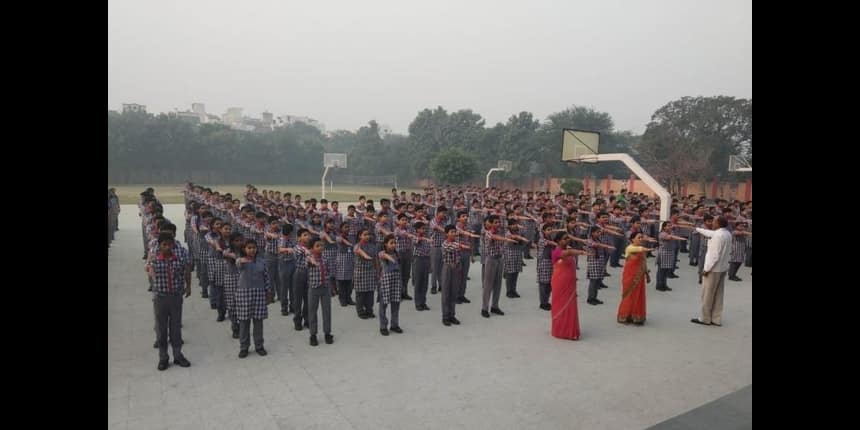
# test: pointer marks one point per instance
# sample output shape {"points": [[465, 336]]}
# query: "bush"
{"points": [[571, 186]]}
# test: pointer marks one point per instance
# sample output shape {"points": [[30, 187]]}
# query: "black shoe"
{"points": [[594, 302], [144, 257], [516, 295], [405, 297], [285, 312], [465, 300], [297, 325], [509, 295], [162, 364], [638, 322], [698, 321], [529, 257], [432, 291], [371, 315], [485, 314], [149, 289], [181, 362], [397, 329], [243, 353], [261, 351], [329, 339], [606, 275], [602, 286], [343, 305], [524, 264], [383, 331], [497, 311], [468, 278], [350, 302], [615, 265], [672, 276], [425, 307], [155, 345], [715, 324], [736, 279], [213, 306], [314, 340], [694, 264], [205, 296], [220, 318], [306, 325], [700, 280], [455, 321], [546, 306], [235, 335], [447, 322], [459, 301], [662, 289]]}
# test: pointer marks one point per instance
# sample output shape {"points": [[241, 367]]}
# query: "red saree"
{"points": [[632, 306], [565, 313]]}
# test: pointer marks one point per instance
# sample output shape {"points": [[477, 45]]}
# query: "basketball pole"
{"points": [[325, 172], [665, 196], [494, 169]]}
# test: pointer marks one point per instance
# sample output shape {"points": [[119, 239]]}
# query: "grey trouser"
{"points": [[271, 263], [300, 295], [395, 315], [405, 271], [593, 286], [286, 270], [420, 267], [465, 263], [511, 282], [435, 268], [244, 335], [713, 287], [168, 323], [450, 289], [317, 296], [492, 281], [544, 290]]}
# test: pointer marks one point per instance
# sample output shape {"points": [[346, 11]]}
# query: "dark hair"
{"points": [[248, 242], [418, 225], [449, 227], [274, 219], [286, 229], [559, 236], [313, 241], [302, 231], [387, 238], [441, 209], [164, 237], [722, 221]]}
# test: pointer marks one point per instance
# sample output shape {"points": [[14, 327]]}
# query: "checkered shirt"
{"points": [[364, 276], [597, 262], [436, 237], [544, 261], [169, 277], [493, 247], [421, 249], [451, 253], [389, 283], [512, 256], [345, 262]]}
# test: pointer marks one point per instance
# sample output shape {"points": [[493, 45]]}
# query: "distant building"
{"points": [[133, 107], [187, 116], [268, 118], [286, 120], [233, 116]]}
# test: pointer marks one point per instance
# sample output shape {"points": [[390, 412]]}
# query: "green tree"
{"points": [[453, 166]]}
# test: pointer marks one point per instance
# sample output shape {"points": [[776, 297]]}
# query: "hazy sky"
{"points": [[347, 62]]}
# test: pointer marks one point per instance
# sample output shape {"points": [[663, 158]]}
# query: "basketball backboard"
{"points": [[335, 160], [505, 165], [579, 145], [738, 163]]}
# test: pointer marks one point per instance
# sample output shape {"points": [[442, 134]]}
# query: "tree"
{"points": [[549, 138], [571, 186], [518, 144], [453, 166], [693, 137]]}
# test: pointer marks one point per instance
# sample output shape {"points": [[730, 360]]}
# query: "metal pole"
{"points": [[325, 172], [665, 196], [494, 169]]}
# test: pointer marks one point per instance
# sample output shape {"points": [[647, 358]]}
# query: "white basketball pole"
{"points": [[665, 196], [325, 172], [494, 169]]}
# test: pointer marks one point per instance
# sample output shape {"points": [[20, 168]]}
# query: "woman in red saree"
{"points": [[632, 306], [565, 312]]}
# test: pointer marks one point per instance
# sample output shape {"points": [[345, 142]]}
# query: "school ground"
{"points": [[505, 372]]}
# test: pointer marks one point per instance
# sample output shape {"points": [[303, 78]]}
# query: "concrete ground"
{"points": [[505, 372]]}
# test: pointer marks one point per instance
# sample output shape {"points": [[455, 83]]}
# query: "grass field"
{"points": [[167, 194]]}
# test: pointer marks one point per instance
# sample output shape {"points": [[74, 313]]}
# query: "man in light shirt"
{"points": [[714, 272]]}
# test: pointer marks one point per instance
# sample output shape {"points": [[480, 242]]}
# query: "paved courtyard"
{"points": [[505, 372]]}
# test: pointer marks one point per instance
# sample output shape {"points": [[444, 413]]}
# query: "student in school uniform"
{"points": [[318, 291], [329, 241], [739, 249], [271, 237], [452, 278], [666, 255], [465, 237], [364, 277], [344, 266], [404, 236], [596, 261], [420, 266], [512, 257], [216, 281], [201, 228], [180, 251], [300, 281], [492, 268], [544, 265], [220, 269], [171, 280], [389, 286], [437, 235], [252, 297], [286, 267], [231, 279]]}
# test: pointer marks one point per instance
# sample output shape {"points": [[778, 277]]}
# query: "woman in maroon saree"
{"points": [[565, 311], [632, 306]]}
